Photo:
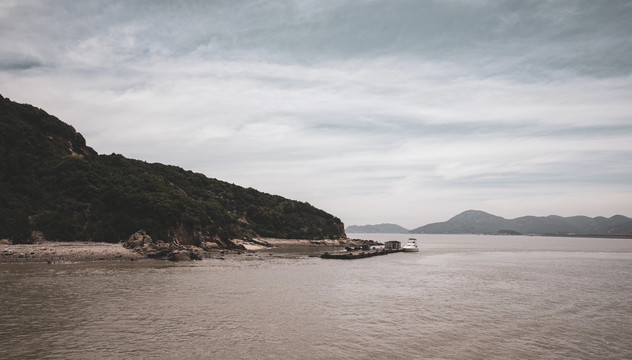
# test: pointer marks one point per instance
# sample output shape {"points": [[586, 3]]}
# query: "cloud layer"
{"points": [[375, 111]]}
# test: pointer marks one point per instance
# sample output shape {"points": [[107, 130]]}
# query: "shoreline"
{"points": [[73, 252], [270, 243], [66, 252]]}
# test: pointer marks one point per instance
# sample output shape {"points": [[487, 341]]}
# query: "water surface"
{"points": [[461, 297]]}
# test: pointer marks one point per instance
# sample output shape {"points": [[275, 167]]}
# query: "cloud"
{"points": [[17, 63], [406, 110]]}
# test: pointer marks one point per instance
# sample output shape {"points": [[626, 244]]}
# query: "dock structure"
{"points": [[392, 245], [358, 254]]}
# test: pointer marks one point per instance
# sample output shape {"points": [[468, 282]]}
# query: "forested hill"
{"points": [[54, 186]]}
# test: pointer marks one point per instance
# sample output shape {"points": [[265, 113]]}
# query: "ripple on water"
{"points": [[451, 302]]}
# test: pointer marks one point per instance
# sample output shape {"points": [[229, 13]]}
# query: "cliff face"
{"points": [[53, 185]]}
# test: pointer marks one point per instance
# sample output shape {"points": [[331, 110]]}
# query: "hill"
{"points": [[480, 222], [377, 229], [53, 186]]}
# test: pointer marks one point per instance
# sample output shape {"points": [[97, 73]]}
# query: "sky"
{"points": [[405, 112]]}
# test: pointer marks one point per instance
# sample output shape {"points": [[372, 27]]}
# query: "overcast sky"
{"points": [[407, 112]]}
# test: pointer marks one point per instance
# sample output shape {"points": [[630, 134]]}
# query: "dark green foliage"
{"points": [[50, 181]]}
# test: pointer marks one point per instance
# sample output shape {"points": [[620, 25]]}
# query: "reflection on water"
{"points": [[461, 297]]}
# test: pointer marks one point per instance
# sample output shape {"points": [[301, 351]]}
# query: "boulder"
{"points": [[174, 251], [179, 255], [135, 240], [156, 250], [196, 254], [138, 240], [210, 245], [37, 237]]}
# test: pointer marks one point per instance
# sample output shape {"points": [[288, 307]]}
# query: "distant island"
{"points": [[377, 229], [54, 187], [480, 222]]}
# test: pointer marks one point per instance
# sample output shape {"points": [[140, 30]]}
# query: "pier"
{"points": [[358, 254]]}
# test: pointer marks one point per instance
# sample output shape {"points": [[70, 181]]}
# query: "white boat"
{"points": [[411, 246]]}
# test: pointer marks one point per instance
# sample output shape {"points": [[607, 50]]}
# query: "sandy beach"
{"points": [[55, 252]]}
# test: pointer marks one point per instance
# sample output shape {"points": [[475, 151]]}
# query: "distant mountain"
{"points": [[468, 222], [480, 222], [377, 229], [53, 186]]}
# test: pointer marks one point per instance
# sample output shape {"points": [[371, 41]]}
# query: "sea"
{"points": [[460, 297]]}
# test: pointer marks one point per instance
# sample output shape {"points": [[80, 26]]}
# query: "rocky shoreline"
{"points": [[140, 246]]}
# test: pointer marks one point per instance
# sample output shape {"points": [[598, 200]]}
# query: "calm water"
{"points": [[461, 297]]}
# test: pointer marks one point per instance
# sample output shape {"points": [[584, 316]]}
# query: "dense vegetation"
{"points": [[52, 184]]}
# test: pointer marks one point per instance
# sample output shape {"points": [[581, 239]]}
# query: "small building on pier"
{"points": [[392, 245]]}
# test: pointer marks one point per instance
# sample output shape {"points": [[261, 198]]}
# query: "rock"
{"points": [[5, 242], [174, 251], [179, 255], [209, 245], [37, 237], [155, 251], [196, 254], [137, 240], [185, 254]]}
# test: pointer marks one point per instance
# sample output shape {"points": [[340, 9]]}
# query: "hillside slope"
{"points": [[377, 229], [53, 185]]}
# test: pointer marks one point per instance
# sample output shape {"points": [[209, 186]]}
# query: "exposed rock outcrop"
{"points": [[37, 237], [173, 251]]}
